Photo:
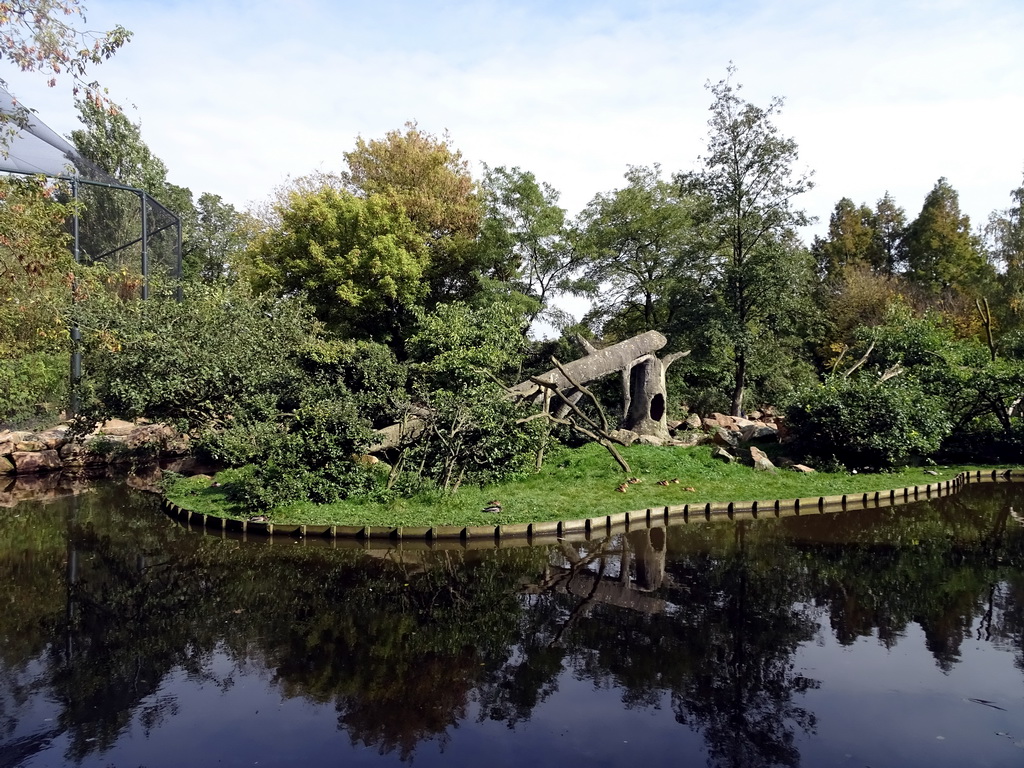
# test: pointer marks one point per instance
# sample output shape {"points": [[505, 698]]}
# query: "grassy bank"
{"points": [[573, 484]]}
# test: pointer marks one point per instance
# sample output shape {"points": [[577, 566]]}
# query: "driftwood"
{"points": [[560, 389]]}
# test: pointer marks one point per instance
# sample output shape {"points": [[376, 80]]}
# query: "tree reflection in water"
{"points": [[109, 600]]}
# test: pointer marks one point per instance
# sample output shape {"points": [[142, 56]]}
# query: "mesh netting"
{"points": [[119, 226]]}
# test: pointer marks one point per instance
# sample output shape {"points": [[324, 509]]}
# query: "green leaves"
{"points": [[360, 261]]}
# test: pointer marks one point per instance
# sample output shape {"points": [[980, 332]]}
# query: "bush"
{"points": [[34, 385], [313, 461], [862, 422], [194, 363]]}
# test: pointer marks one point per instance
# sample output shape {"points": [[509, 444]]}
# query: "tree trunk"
{"points": [[647, 401], [741, 377]]}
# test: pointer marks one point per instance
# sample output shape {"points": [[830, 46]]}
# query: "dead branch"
{"points": [[860, 362]]}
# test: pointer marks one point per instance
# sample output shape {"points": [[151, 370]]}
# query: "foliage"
{"points": [[32, 384], [35, 268], [1005, 245], [360, 261], [859, 422], [524, 236], [859, 237], [424, 176], [44, 36], [194, 363], [473, 432], [312, 461], [749, 185], [636, 248], [941, 251]]}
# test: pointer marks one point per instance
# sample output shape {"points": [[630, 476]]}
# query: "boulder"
{"points": [[758, 431], [764, 465], [690, 439], [29, 446], [693, 421], [54, 437], [6, 467], [756, 454], [722, 436], [624, 436], [802, 468], [31, 462], [650, 440], [116, 427], [724, 455]]}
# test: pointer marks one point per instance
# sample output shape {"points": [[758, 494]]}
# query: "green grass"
{"points": [[574, 483]]}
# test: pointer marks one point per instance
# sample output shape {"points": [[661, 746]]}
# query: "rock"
{"points": [[690, 439], [28, 446], [149, 436], [726, 437], [650, 440], [6, 467], [724, 455], [758, 431], [693, 421], [31, 462], [756, 454], [802, 468], [764, 465], [54, 437], [931, 472], [624, 436], [720, 420], [115, 427], [79, 455], [741, 423]]}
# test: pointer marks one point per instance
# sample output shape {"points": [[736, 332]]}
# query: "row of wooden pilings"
{"points": [[518, 534]]}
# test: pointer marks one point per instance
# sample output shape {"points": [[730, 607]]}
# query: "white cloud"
{"points": [[235, 97]]}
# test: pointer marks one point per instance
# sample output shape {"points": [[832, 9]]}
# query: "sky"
{"points": [[236, 97]]}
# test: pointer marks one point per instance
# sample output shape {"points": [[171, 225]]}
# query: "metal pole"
{"points": [[178, 252], [145, 248], [76, 334]]}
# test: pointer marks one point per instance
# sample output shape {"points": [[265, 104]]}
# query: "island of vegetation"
{"points": [[387, 344]]}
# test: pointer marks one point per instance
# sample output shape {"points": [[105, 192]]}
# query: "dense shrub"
{"points": [[862, 422], [33, 385], [197, 362], [312, 461]]}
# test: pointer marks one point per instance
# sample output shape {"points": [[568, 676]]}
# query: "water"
{"points": [[888, 637]]}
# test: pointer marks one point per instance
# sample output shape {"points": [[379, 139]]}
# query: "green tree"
{"points": [[360, 260], [890, 225], [850, 239], [217, 240], [111, 224], [636, 249], [1005, 243], [430, 181], [35, 265], [941, 251], [473, 431], [524, 236], [749, 183]]}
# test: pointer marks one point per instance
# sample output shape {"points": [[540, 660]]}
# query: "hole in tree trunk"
{"points": [[657, 407]]}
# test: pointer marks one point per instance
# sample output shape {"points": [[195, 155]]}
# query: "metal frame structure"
{"points": [[57, 150]]}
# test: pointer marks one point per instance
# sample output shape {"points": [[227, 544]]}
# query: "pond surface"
{"points": [[888, 637]]}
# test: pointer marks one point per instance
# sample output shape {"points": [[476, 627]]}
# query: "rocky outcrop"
{"points": [[113, 442]]}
